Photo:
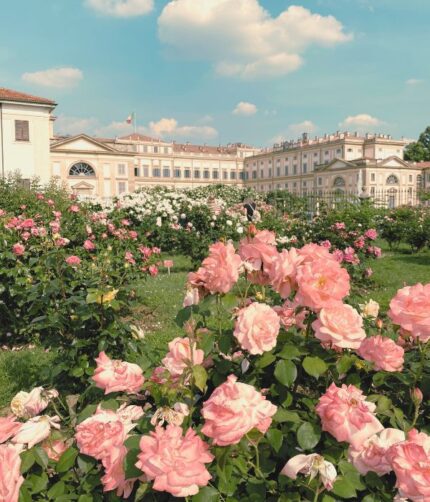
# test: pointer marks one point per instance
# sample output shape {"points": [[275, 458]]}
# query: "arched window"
{"points": [[392, 180], [339, 182], [81, 169]]}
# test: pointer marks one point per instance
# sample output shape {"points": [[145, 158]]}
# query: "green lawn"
{"points": [[162, 298]]}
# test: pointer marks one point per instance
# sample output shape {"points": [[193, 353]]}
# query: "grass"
{"points": [[162, 298]]}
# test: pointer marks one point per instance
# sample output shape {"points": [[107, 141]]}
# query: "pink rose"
{"points": [[74, 209], [176, 463], [117, 376], [338, 255], [18, 249], [339, 327], [36, 430], [10, 474], [383, 352], [182, 354], [233, 410], [54, 449], [8, 428], [311, 465], [30, 404], [221, 268], [371, 234], [349, 256], [283, 271], [153, 270], [73, 261], [346, 415], [322, 283], [89, 245], [258, 254], [99, 434], [287, 314], [312, 252], [257, 328], [360, 242], [410, 461], [114, 477], [130, 258], [371, 456], [410, 309]]}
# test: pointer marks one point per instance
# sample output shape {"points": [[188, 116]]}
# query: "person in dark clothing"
{"points": [[250, 207]]}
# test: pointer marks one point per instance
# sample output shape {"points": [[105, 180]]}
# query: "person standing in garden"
{"points": [[214, 205], [250, 208]]}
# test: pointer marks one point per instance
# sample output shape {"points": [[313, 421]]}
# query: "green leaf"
{"points": [[286, 416], [342, 488], [314, 366], [85, 498], [308, 436], [57, 490], [140, 493], [285, 372], [345, 363], [289, 352], [229, 301], [200, 377], [41, 457], [206, 494], [27, 461], [275, 438], [265, 360], [37, 483], [130, 469], [67, 460]]}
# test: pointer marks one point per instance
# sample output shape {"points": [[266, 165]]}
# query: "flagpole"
{"points": [[135, 122]]}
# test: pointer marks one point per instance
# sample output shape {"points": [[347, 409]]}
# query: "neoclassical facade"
{"points": [[106, 167]]}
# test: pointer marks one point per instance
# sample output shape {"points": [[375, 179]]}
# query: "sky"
{"points": [[221, 71]]}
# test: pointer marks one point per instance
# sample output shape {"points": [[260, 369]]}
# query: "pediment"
{"points": [[82, 185], [393, 162], [336, 164], [81, 143]]}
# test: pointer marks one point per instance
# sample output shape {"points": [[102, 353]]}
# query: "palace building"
{"points": [[107, 167]]}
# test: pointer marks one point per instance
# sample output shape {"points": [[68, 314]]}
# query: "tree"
{"points": [[417, 152]]}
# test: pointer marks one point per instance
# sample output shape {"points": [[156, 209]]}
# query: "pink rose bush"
{"points": [[174, 461], [233, 410], [117, 376], [10, 475], [183, 353]]}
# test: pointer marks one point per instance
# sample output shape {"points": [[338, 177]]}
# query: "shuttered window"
{"points": [[22, 130]]}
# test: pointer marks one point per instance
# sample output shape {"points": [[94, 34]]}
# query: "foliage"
{"points": [[420, 150]]}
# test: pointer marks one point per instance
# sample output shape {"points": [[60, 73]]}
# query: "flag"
{"points": [[130, 118]]}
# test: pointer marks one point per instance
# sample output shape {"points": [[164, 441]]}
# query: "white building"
{"points": [[25, 132]]}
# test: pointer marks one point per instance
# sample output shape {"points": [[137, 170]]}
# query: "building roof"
{"points": [[422, 165], [11, 95], [140, 137], [188, 148]]}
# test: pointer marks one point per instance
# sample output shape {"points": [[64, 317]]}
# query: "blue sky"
{"points": [[219, 71]]}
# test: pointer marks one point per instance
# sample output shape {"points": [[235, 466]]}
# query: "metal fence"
{"points": [[312, 202]]}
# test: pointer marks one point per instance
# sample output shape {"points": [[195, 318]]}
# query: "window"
{"points": [[166, 172], [339, 182], [270, 172], [166, 149], [187, 173], [121, 170], [372, 191], [349, 150], [305, 156], [146, 171], [122, 187], [319, 181], [137, 171], [316, 154], [241, 175], [215, 175], [392, 180], [261, 173], [278, 171], [286, 170], [233, 175], [155, 149], [22, 132], [177, 173], [196, 174], [372, 177], [206, 175], [305, 167], [81, 169], [254, 175], [295, 169], [411, 178], [145, 148], [156, 172], [338, 151], [225, 175]]}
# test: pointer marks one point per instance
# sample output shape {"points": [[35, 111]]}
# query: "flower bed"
{"points": [[282, 389]]}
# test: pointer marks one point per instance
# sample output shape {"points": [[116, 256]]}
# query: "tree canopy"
{"points": [[420, 150]]}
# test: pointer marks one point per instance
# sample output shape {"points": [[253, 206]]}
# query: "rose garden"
{"points": [[157, 349]]}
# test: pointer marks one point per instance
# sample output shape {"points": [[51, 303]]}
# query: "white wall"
{"points": [[30, 158]]}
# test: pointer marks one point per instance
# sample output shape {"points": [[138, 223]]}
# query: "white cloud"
{"points": [[55, 77], [293, 131], [361, 121], [245, 108], [65, 125], [121, 8], [240, 38], [414, 81], [169, 127]]}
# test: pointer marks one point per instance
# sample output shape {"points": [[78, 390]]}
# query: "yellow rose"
{"points": [[107, 297]]}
